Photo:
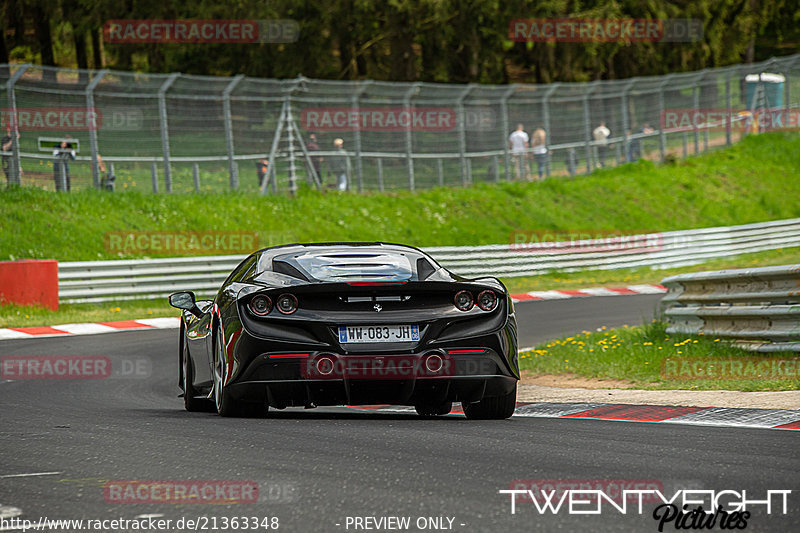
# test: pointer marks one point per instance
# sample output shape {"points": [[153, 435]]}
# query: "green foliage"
{"points": [[404, 40]]}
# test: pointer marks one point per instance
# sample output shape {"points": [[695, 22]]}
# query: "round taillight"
{"points": [[487, 300], [464, 301], [286, 304], [261, 305]]}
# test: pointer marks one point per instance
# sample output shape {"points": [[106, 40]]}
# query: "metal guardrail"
{"points": [[98, 281], [758, 308]]}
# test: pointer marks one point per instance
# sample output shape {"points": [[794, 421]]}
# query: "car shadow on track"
{"points": [[300, 414]]}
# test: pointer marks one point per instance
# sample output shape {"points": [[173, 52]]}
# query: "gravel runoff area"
{"points": [[560, 390]]}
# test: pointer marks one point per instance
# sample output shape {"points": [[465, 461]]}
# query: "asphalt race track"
{"points": [[316, 468]]}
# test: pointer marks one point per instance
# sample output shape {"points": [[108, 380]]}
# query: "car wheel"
{"points": [[227, 406], [190, 400], [434, 409], [495, 408]]}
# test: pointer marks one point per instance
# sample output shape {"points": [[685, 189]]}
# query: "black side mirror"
{"points": [[185, 300]]}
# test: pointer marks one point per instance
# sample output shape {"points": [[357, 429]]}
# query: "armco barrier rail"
{"points": [[97, 281], [759, 308]]}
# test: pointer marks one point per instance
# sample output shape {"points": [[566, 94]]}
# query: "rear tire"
{"points": [[227, 406], [494, 408], [428, 410], [190, 401]]}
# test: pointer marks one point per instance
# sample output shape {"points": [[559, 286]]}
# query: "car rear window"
{"points": [[352, 266]]}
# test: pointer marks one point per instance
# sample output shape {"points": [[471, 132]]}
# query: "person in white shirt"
{"points": [[518, 143], [601, 134]]}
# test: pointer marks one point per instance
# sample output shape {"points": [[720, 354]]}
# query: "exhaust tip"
{"points": [[433, 363], [325, 365]]}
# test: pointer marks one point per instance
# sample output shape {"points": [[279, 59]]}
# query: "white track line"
{"points": [[30, 475]]}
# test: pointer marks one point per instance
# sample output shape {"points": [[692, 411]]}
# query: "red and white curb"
{"points": [[93, 328], [585, 293], [89, 328], [784, 419]]}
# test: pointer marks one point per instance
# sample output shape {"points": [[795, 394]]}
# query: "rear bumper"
{"points": [[326, 378], [307, 392]]}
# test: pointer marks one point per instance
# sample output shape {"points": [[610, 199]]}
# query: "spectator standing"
{"points": [[107, 174], [6, 145], [262, 165], [316, 161], [518, 142], [61, 157], [635, 151], [339, 165], [540, 150], [601, 134]]}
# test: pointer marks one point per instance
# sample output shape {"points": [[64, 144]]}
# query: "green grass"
{"points": [[753, 181], [637, 355]]}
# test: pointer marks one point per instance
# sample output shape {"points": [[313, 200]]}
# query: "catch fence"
{"points": [[185, 133]]}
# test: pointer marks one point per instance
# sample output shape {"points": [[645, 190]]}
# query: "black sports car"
{"points": [[349, 324]]}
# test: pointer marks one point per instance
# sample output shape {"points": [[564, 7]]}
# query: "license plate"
{"points": [[356, 334]]}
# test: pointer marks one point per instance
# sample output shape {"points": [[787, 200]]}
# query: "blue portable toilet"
{"points": [[773, 89]]}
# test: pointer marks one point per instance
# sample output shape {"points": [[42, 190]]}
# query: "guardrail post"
{"points": [[440, 171], [462, 135], [91, 115], [626, 119], [196, 177], [662, 137], [504, 127], [162, 117], [786, 84], [61, 184], [226, 113], [546, 118], [271, 176], [16, 162], [728, 107], [696, 105], [587, 125], [154, 175], [379, 163], [357, 133], [705, 130], [409, 148]]}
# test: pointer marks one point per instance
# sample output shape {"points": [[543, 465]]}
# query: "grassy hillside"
{"points": [[756, 180]]}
